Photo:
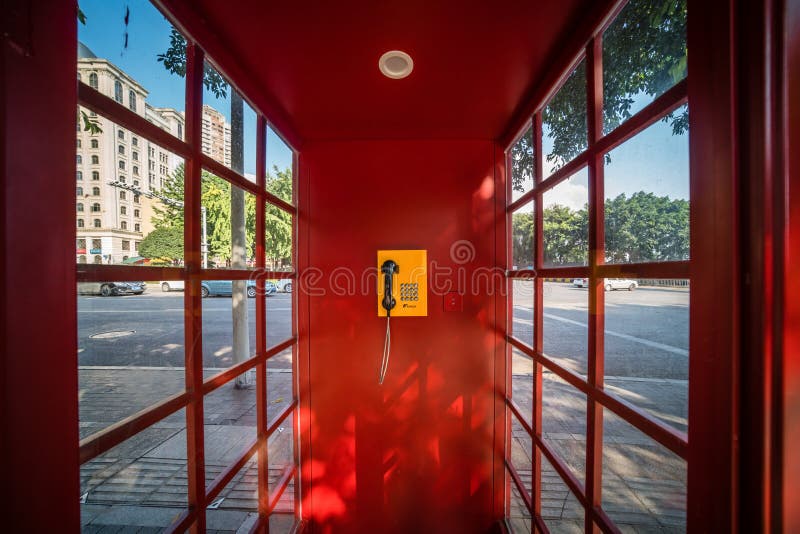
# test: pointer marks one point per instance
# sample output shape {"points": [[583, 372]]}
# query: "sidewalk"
{"points": [[141, 484]]}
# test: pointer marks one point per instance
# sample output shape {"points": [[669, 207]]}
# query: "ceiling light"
{"points": [[396, 64]]}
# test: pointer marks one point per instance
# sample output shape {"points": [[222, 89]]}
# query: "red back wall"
{"points": [[414, 455]]}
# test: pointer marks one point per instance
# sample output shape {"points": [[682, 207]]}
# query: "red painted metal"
{"points": [[89, 272], [262, 393], [241, 182], [281, 486], [538, 313]]}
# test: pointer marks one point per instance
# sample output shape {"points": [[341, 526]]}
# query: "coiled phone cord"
{"points": [[387, 345]]}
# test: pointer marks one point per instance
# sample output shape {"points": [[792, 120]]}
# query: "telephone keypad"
{"points": [[409, 292]]}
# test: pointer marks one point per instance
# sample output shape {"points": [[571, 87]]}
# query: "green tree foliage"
{"points": [[174, 60], [278, 223], [565, 236], [163, 245], [644, 52], [522, 239]]}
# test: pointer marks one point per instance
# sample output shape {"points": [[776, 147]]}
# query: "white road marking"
{"points": [[654, 344]]}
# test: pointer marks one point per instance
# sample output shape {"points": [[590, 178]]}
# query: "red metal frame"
{"points": [[597, 398], [199, 495]]}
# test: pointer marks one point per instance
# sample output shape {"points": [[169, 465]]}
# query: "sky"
{"points": [[148, 36]]}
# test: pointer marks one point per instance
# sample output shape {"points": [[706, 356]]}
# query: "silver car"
{"points": [[108, 289]]}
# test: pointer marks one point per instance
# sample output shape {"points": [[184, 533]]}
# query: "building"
{"points": [[216, 136], [118, 172]]}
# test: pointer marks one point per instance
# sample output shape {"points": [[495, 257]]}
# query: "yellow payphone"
{"points": [[402, 291]]}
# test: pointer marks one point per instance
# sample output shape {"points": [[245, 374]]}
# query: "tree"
{"points": [[522, 240], [163, 245], [644, 52], [565, 235], [278, 223]]}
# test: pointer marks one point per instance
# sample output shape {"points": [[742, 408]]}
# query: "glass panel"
{"points": [[522, 300], [136, 57], [279, 383], [644, 54], [521, 459], [229, 125], [130, 351], [522, 165], [565, 333], [564, 422], [229, 416], [566, 222], [223, 344], [281, 523], [278, 226], [561, 511], [228, 246], [280, 180], [235, 509], [647, 197], [522, 236], [644, 484], [647, 347], [564, 127], [139, 484], [281, 455], [279, 317], [522, 383], [131, 215]]}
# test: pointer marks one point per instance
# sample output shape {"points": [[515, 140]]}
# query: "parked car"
{"points": [[284, 285], [609, 284], [107, 289], [224, 288], [171, 285]]}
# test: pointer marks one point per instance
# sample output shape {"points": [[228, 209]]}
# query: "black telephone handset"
{"points": [[389, 269]]}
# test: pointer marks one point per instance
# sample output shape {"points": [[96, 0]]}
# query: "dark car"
{"points": [[224, 288], [108, 289]]}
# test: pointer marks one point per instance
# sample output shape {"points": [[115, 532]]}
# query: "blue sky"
{"points": [[148, 36]]}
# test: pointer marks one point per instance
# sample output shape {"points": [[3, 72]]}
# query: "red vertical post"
{"points": [[193, 306], [261, 328], [538, 310], [507, 224], [295, 346], [594, 411]]}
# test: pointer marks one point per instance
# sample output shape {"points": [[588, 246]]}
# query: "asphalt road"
{"points": [[147, 330], [646, 330]]}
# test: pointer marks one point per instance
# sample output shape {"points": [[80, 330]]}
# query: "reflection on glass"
{"points": [[564, 422], [644, 54], [130, 352], [647, 348], [644, 484], [129, 199], [647, 197], [229, 125], [522, 165], [566, 222], [565, 331], [522, 223], [522, 300], [564, 127], [141, 481], [280, 181]]}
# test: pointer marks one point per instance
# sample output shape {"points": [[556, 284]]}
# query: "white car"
{"points": [[284, 285], [610, 284], [172, 285]]}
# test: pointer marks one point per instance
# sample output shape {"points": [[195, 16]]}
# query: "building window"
{"points": [[136, 170], [97, 223], [80, 223], [78, 143], [79, 175], [78, 191], [93, 80], [81, 259], [123, 225], [136, 198], [97, 244], [122, 179], [98, 259], [80, 244], [118, 91], [136, 183], [78, 159], [95, 160], [132, 100], [121, 165], [135, 156], [123, 210], [136, 243], [135, 141], [151, 165], [180, 131], [122, 195], [136, 213], [137, 227], [126, 245], [96, 207], [96, 191], [95, 143], [121, 149], [95, 175], [120, 134], [79, 207]]}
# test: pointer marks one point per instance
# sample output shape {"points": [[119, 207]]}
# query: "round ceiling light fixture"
{"points": [[396, 64]]}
